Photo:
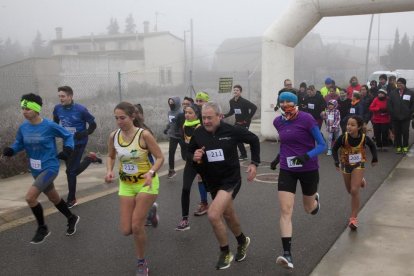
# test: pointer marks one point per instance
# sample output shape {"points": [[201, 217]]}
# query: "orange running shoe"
{"points": [[353, 223]]}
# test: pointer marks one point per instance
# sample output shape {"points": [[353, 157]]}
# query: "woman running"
{"points": [[37, 136], [138, 179], [352, 161]]}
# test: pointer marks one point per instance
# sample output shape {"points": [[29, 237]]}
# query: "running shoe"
{"points": [[398, 150], [142, 269], [152, 217], [285, 261], [72, 223], [242, 250], [314, 212], [171, 173], [242, 157], [201, 210], [72, 203], [405, 150], [353, 223], [183, 225], [41, 234], [329, 152], [363, 182], [94, 158], [224, 260]]}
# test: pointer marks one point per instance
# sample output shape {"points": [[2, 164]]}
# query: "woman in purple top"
{"points": [[298, 132]]}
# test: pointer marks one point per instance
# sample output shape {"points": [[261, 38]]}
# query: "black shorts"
{"points": [[231, 188], [308, 180]]}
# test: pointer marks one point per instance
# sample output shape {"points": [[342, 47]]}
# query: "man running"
{"points": [[74, 118], [213, 148]]}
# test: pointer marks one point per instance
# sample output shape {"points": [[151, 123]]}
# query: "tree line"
{"points": [[401, 54]]}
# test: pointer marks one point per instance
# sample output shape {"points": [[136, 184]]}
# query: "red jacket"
{"points": [[350, 90], [380, 113]]}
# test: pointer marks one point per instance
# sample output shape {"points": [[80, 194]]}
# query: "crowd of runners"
{"points": [[210, 148]]}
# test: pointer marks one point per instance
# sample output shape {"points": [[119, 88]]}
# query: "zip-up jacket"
{"points": [[243, 111]]}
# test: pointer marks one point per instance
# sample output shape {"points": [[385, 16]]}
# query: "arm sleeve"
{"points": [[91, 127], [65, 135], [372, 148], [253, 109], [373, 106], [231, 111], [320, 142], [335, 149], [90, 120], [245, 136], [55, 116], [18, 144]]}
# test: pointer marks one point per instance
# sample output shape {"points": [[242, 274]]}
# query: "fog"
{"points": [[214, 20]]}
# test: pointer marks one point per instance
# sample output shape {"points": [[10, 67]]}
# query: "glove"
{"points": [[65, 153], [274, 163], [8, 151], [301, 159], [80, 134], [165, 131]]}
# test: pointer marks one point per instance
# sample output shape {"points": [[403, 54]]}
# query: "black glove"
{"points": [[274, 163], [301, 159], [8, 151], [165, 131], [65, 153], [80, 134]]}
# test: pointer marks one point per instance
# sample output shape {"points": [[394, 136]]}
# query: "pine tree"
{"points": [[130, 26], [404, 55], [39, 47], [113, 27]]}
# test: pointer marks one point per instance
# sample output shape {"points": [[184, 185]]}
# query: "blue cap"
{"points": [[328, 81], [288, 97]]}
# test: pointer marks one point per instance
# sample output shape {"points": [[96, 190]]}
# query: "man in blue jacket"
{"points": [[77, 120]]}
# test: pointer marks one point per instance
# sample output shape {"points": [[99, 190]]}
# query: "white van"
{"points": [[399, 73]]}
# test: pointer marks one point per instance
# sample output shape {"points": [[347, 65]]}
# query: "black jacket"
{"points": [[314, 105], [401, 108], [243, 111], [225, 139]]}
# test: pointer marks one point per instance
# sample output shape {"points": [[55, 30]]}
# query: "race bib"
{"points": [[35, 164], [311, 106], [331, 117], [406, 97], [71, 129], [215, 155], [171, 118], [237, 111], [130, 168], [291, 163], [352, 110], [355, 158]]}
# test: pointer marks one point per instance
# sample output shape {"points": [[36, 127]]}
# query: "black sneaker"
{"points": [[224, 260], [72, 203], [242, 157], [285, 261], [152, 217], [171, 173], [314, 212], [242, 250], [72, 222], [41, 234]]}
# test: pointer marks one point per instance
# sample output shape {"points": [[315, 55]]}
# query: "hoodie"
{"points": [[172, 128]]}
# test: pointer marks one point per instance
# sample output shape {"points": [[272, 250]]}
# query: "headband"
{"points": [[31, 105]]}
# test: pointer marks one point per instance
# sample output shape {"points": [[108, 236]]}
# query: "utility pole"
{"points": [[368, 44], [190, 88]]}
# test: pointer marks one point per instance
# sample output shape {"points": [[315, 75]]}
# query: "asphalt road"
{"points": [[98, 248]]}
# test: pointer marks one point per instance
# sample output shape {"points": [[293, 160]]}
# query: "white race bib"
{"points": [[35, 164], [171, 118], [406, 97], [292, 164], [311, 106], [237, 111], [331, 117], [352, 110], [355, 158], [215, 155], [71, 129], [130, 168]]}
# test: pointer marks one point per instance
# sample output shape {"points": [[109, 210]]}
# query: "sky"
{"points": [[213, 20]]}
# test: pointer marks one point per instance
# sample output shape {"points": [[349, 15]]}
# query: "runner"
{"points": [[138, 179], [352, 161], [74, 118], [37, 136], [332, 117], [192, 113], [213, 148], [298, 132], [243, 111]]}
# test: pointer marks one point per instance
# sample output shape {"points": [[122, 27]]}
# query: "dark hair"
{"points": [[303, 84], [195, 108], [138, 122], [67, 89], [360, 123], [402, 80], [127, 107], [32, 98], [392, 78], [366, 87], [238, 86], [188, 99], [383, 76]]}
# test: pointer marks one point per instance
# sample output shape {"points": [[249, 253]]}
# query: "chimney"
{"points": [[146, 27], [58, 33]]}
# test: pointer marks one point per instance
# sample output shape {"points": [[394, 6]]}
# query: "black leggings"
{"points": [[381, 132], [401, 133], [172, 148], [188, 179]]}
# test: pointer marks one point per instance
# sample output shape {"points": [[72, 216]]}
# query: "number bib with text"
{"points": [[130, 168], [291, 163], [355, 158], [215, 155], [35, 164]]}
